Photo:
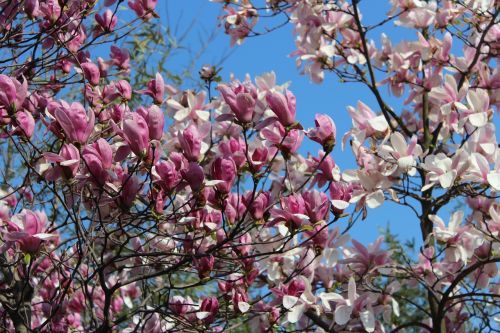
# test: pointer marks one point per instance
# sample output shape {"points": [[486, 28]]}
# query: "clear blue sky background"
{"points": [[270, 53]]}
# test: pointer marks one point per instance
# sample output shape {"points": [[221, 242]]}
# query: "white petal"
{"points": [[340, 204], [343, 314], [243, 306], [378, 123], [351, 290], [296, 313], [375, 199], [202, 314], [368, 320], [398, 142], [289, 301], [395, 307], [326, 298], [494, 179], [447, 179], [478, 119], [181, 114], [43, 236], [69, 162]]}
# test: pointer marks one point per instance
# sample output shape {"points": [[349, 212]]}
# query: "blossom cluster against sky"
{"points": [[270, 52]]}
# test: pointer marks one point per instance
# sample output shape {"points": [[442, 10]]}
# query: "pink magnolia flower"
{"points": [[204, 265], [155, 120], [136, 133], [143, 8], [194, 176], [340, 193], [180, 305], [123, 89], [32, 8], [327, 170], [120, 57], [168, 174], [241, 99], [106, 21], [366, 121], [26, 124], [259, 205], [27, 229], [363, 259], [190, 142], [277, 136], [224, 170], [190, 106], [74, 120], [235, 149], [12, 92], [444, 170], [401, 155], [91, 73], [66, 163], [461, 240], [240, 299], [478, 112], [324, 133], [98, 158], [292, 212], [156, 89], [317, 205], [209, 308], [237, 25], [345, 307], [283, 106], [258, 158], [130, 189]]}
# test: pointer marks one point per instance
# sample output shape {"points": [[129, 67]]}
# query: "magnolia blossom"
{"points": [[28, 229], [75, 121], [404, 155], [345, 306]]}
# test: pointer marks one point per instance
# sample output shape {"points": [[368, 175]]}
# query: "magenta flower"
{"points": [[292, 212], [74, 121], [259, 205], [204, 265], [241, 100], [124, 89], [156, 89], [169, 176], [340, 193], [190, 142], [27, 229], [26, 123], [317, 205], [12, 92], [136, 133], [324, 133], [143, 8], [91, 73], [66, 163], [99, 159], [208, 309], [284, 106], [130, 189], [120, 57], [180, 305], [106, 21], [224, 170], [194, 176], [155, 120]]}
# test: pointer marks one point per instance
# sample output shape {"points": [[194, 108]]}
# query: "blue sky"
{"points": [[270, 53]]}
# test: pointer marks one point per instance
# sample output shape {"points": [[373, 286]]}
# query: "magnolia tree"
{"points": [[130, 207]]}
